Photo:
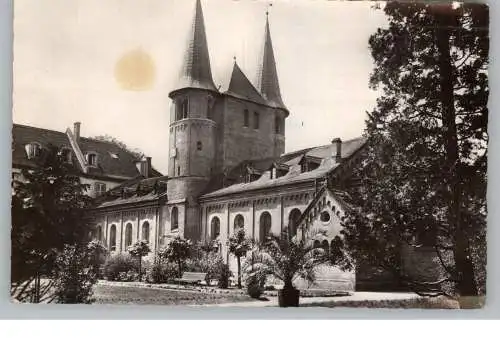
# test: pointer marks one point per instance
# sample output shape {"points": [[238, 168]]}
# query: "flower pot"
{"points": [[288, 297]]}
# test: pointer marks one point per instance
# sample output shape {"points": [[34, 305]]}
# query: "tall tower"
{"points": [[192, 130], [268, 86]]}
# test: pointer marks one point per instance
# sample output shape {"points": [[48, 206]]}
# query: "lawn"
{"points": [[114, 294]]}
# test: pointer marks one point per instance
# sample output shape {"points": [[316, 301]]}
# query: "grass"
{"points": [[415, 303], [113, 294]]}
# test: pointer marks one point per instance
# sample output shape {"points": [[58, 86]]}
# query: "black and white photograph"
{"points": [[250, 154]]}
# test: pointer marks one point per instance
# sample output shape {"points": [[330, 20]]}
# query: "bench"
{"points": [[192, 277]]}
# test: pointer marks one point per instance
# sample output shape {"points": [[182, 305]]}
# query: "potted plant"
{"points": [[287, 259]]}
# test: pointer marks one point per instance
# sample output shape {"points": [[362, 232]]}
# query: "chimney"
{"points": [[147, 169], [76, 131], [338, 149]]}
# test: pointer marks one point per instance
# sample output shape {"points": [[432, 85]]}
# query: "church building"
{"points": [[228, 168]]}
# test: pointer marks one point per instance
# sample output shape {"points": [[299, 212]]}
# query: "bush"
{"points": [[161, 272], [75, 275], [255, 286], [119, 263], [223, 276], [129, 276], [208, 262]]}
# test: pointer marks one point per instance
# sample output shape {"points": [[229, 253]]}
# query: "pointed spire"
{"points": [[196, 72], [267, 79], [241, 87]]}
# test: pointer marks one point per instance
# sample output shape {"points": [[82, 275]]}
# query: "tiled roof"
{"points": [[113, 161], [294, 175], [196, 71], [241, 87], [135, 191], [268, 83]]}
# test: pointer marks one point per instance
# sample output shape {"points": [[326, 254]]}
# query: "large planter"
{"points": [[288, 297]]}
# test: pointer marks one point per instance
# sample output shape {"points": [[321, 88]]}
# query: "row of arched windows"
{"points": [[265, 222], [128, 234]]}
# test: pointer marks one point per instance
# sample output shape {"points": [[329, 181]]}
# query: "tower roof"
{"points": [[196, 72], [267, 77], [241, 87]]}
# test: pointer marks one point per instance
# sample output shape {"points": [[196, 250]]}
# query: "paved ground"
{"points": [[355, 297]]}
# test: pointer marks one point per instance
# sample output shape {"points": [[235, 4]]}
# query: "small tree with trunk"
{"points": [[139, 249], [177, 251], [238, 246]]}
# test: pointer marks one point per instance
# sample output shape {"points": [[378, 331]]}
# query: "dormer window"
{"points": [[92, 159], [66, 155], [33, 150]]}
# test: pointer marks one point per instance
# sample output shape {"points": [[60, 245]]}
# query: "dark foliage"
{"points": [[423, 181]]}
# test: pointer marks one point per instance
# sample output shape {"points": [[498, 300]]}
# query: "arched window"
{"points": [[256, 122], [112, 238], [246, 118], [264, 226], [325, 246], [215, 228], [239, 222], [128, 235], [293, 221], [145, 231], [277, 125], [182, 109], [99, 233], [317, 244], [174, 224]]}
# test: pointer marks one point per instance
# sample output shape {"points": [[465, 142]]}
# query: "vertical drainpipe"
{"points": [[121, 233], [253, 219], [282, 214], [227, 237], [106, 231], [138, 224]]}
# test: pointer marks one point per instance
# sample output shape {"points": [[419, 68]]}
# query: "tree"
{"points": [[178, 250], [48, 206], [238, 246], [286, 259], [76, 273], [139, 249], [423, 180], [107, 138]]}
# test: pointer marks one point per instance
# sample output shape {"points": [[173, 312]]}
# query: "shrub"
{"points": [[178, 250], [255, 286], [119, 263], [207, 262], [75, 275], [129, 276], [161, 272], [139, 249], [223, 276]]}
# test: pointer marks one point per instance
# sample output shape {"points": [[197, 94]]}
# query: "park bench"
{"points": [[192, 277]]}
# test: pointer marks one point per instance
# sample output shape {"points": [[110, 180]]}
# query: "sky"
{"points": [[73, 62]]}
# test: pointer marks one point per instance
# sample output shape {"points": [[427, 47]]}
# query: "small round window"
{"points": [[325, 216]]}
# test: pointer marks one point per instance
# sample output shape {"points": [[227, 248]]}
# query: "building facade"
{"points": [[228, 170], [102, 165]]}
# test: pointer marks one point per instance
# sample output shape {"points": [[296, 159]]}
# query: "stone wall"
{"points": [[243, 143]]}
